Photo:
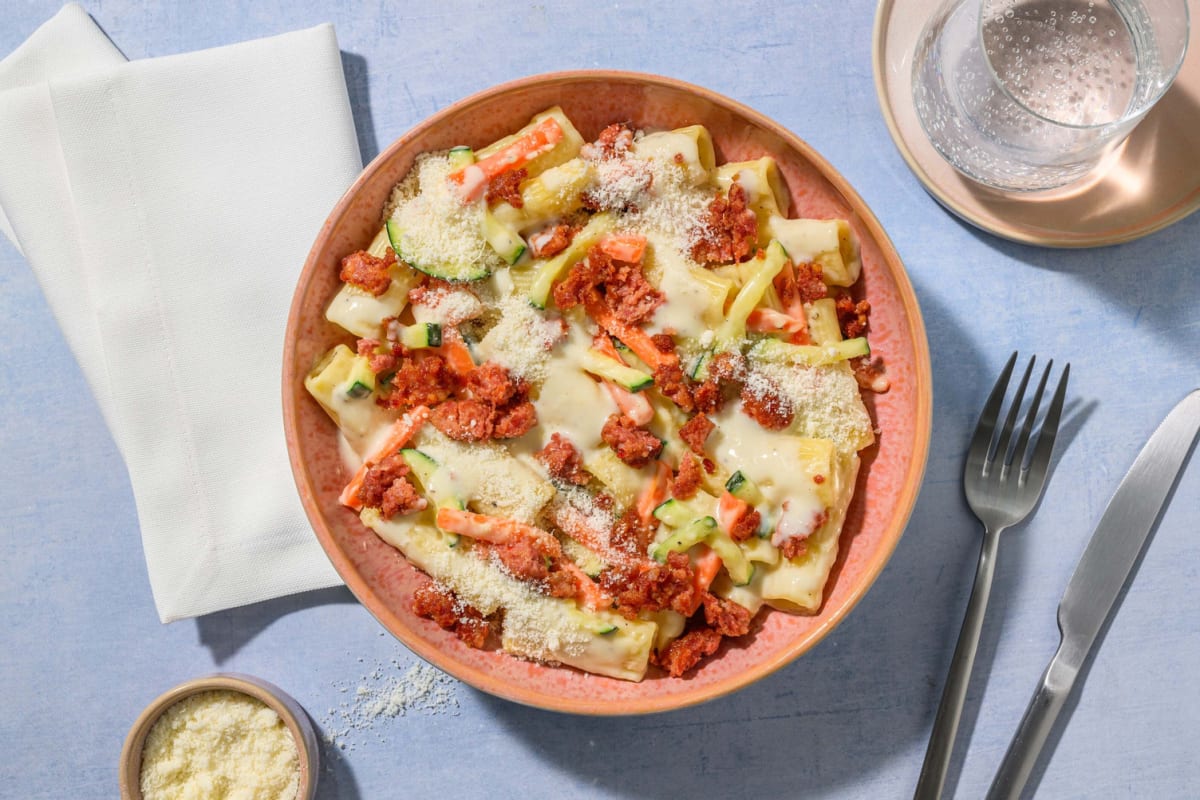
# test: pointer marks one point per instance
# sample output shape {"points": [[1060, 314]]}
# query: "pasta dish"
{"points": [[606, 395]]}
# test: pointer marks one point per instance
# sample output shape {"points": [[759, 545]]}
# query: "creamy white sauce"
{"points": [[570, 402], [769, 458], [687, 300]]}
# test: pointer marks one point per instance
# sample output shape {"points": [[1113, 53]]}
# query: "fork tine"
{"points": [[977, 452], [1001, 451], [1034, 405], [1040, 460]]}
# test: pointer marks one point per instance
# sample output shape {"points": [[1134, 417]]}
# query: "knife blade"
{"points": [[1102, 572]]}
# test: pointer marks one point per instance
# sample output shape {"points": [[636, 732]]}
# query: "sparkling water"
{"points": [[1030, 95]]}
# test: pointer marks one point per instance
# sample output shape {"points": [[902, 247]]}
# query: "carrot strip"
{"points": [[654, 492], [634, 338], [706, 567], [455, 351], [496, 530], [602, 343], [730, 509], [626, 247], [768, 320], [634, 406], [473, 178], [589, 592], [398, 435]]}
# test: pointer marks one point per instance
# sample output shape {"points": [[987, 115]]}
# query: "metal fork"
{"points": [[1003, 481]]}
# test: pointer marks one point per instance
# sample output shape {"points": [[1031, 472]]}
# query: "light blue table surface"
{"points": [[81, 649]]}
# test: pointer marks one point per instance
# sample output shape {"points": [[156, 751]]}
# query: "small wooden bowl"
{"points": [[291, 712]]}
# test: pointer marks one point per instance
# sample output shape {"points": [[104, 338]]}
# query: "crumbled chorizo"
{"points": [[514, 420], [623, 287], [491, 383], [560, 583], [386, 488], [794, 547], [670, 585], [767, 409], [523, 557], [671, 381], [728, 230], [746, 526], [695, 432], [368, 272], [441, 606], [687, 651], [687, 480], [725, 616], [636, 446], [563, 461], [463, 420], [613, 142], [869, 374], [552, 241], [629, 534], [708, 397], [852, 316], [506, 188], [810, 285], [424, 381]]}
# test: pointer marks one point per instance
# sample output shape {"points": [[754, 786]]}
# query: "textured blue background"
{"points": [[81, 650]]}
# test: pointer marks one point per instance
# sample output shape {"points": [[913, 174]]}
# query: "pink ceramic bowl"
{"points": [[887, 486]]}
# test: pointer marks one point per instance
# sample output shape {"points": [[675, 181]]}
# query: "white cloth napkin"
{"points": [[166, 207]]}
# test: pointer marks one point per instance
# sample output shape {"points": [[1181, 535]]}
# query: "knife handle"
{"points": [[1034, 729]]}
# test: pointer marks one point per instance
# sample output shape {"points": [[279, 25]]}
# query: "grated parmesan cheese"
{"points": [[386, 693], [220, 744], [826, 401], [437, 227], [521, 340]]}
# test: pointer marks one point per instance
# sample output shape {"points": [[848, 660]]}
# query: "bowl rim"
{"points": [[291, 712], [905, 502]]}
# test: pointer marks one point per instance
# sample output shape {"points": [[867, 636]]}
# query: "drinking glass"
{"points": [[1025, 95]]}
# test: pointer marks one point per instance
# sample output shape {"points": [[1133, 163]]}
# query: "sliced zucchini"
{"points": [[361, 380], [455, 273], [602, 366], [743, 488], [460, 156], [812, 355], [427, 471], [503, 238], [699, 370], [682, 539], [585, 559], [419, 335], [674, 513]]}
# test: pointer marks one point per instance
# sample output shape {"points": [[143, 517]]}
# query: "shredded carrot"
{"points": [[456, 353], [626, 247], [654, 492], [730, 509], [602, 343], [706, 567], [633, 405], [589, 592], [398, 435], [768, 320], [473, 178], [633, 337], [496, 530]]}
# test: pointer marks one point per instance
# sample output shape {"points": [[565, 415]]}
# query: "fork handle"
{"points": [[945, 724]]}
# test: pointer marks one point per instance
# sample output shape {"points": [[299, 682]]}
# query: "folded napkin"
{"points": [[166, 207]]}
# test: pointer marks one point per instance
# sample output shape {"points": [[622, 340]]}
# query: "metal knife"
{"points": [[1093, 590]]}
